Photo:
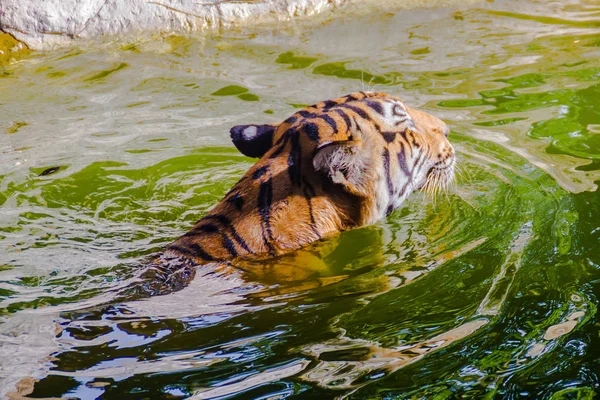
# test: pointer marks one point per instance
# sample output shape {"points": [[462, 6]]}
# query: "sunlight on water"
{"points": [[110, 153]]}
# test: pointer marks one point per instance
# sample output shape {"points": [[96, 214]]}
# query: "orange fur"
{"points": [[333, 166]]}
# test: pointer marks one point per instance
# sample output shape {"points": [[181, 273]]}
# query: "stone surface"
{"points": [[44, 24]]}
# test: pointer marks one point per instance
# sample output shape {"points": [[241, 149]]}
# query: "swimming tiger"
{"points": [[333, 166]]}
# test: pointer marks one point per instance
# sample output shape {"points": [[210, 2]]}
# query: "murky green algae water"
{"points": [[490, 291]]}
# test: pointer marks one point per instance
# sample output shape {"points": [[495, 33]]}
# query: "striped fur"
{"points": [[333, 166]]}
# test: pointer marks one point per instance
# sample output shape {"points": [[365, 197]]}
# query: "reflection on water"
{"points": [[489, 290]]}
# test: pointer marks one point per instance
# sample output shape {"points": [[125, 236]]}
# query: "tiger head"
{"points": [[371, 145]]}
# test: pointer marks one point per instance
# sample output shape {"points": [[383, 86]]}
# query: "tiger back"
{"points": [[333, 166]]}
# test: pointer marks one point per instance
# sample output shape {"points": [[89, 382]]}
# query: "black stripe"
{"points": [[229, 246], [405, 137], [310, 189], [192, 233], [345, 117], [375, 105], [197, 231], [237, 201], [389, 136], [225, 221], [294, 160], [200, 252], [195, 251], [401, 121], [409, 142], [240, 240], [357, 110], [328, 104], [312, 130], [411, 176], [309, 192], [208, 228], [418, 164], [402, 162], [353, 96], [283, 136], [329, 121], [265, 199], [307, 114], [388, 176], [290, 120], [181, 250], [389, 210], [283, 140], [220, 218], [260, 171], [411, 134]]}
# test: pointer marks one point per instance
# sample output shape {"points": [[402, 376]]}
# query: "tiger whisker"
{"points": [[369, 87], [457, 174], [445, 191], [464, 173], [438, 186], [452, 185], [468, 173], [432, 187], [362, 80]]}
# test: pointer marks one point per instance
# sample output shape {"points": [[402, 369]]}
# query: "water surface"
{"points": [[109, 153]]}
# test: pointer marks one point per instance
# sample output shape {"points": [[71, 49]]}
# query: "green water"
{"points": [[109, 153]]}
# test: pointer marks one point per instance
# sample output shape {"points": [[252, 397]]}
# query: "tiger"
{"points": [[330, 167]]}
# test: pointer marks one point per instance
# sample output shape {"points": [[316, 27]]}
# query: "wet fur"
{"points": [[333, 166]]}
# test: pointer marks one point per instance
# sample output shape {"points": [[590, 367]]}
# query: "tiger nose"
{"points": [[446, 130]]}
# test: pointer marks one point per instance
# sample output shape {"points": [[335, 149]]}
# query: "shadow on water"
{"points": [[487, 291]]}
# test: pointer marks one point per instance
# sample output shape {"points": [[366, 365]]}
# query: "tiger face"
{"points": [[333, 166]]}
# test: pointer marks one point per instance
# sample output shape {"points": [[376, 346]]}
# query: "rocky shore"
{"points": [[46, 24]]}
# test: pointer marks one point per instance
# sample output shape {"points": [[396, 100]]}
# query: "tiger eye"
{"points": [[398, 109]]}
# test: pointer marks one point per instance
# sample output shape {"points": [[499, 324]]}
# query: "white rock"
{"points": [[45, 24]]}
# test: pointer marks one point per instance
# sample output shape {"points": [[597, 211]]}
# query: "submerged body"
{"points": [[334, 166]]}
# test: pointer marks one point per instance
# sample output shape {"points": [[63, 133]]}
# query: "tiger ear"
{"points": [[342, 163], [253, 140]]}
